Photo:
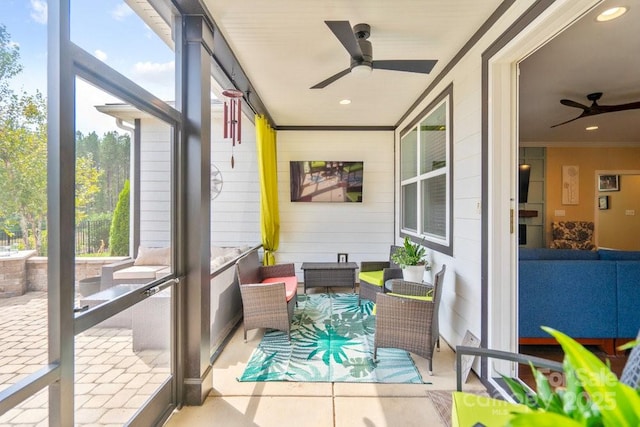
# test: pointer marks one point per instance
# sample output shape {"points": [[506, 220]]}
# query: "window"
{"points": [[426, 175]]}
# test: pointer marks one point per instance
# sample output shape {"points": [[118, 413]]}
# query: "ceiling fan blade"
{"points": [[410, 65], [570, 103], [579, 117], [619, 107], [344, 33], [331, 79]]}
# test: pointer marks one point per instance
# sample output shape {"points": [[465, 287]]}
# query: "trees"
{"points": [[119, 233], [23, 156], [111, 156]]}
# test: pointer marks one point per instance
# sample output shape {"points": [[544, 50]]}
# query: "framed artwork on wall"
{"points": [[603, 202], [608, 183]]}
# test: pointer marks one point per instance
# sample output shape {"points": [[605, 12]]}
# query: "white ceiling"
{"points": [[588, 57], [285, 47]]}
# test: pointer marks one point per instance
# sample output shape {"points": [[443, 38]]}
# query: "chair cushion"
{"points": [[138, 272], [290, 284], [416, 297], [372, 277]]}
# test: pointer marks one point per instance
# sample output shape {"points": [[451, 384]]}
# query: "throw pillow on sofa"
{"points": [[153, 256]]}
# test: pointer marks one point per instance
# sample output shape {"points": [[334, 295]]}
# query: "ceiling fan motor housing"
{"points": [[362, 33]]}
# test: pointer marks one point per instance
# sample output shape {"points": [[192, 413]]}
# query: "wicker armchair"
{"points": [[384, 270], [269, 294], [409, 323], [631, 371]]}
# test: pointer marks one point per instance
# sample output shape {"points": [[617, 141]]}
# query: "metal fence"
{"points": [[91, 237]]}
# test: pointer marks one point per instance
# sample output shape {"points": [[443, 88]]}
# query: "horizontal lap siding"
{"points": [[318, 231]]}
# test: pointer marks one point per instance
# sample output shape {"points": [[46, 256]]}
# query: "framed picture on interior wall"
{"points": [[608, 182], [603, 202], [343, 257]]}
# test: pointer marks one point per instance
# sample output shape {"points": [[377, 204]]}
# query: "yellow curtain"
{"points": [[267, 170]]}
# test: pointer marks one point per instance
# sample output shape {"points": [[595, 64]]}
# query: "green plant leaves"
{"points": [[592, 395], [618, 403], [409, 254]]}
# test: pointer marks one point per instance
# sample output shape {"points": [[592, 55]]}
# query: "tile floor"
{"points": [[112, 382], [239, 404]]}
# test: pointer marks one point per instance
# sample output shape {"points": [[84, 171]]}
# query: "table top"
{"points": [[388, 285], [329, 266]]}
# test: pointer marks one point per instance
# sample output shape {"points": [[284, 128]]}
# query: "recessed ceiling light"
{"points": [[345, 102], [612, 13], [592, 128]]}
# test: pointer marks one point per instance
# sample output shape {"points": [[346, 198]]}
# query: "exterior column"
{"points": [[194, 44], [61, 160]]}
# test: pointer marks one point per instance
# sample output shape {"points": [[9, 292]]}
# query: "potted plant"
{"points": [[412, 258]]}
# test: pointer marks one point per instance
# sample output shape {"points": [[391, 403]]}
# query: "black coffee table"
{"points": [[329, 274]]}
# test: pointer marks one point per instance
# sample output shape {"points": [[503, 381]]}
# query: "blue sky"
{"points": [[109, 30]]}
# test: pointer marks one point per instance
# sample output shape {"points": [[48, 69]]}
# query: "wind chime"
{"points": [[232, 118]]}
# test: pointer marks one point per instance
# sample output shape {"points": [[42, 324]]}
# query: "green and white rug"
{"points": [[331, 341]]}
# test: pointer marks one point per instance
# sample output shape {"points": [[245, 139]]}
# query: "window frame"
{"points": [[438, 243]]}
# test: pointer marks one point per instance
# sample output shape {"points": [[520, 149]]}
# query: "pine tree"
{"points": [[119, 233]]}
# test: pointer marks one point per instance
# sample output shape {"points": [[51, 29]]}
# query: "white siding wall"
{"points": [[235, 213], [155, 174], [460, 308], [316, 231]]}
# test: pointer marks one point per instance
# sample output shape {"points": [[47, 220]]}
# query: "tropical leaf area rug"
{"points": [[331, 341]]}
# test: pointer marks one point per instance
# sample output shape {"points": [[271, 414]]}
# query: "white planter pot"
{"points": [[413, 273]]}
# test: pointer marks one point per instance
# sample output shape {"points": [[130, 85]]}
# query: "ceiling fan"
{"points": [[594, 108], [361, 52]]}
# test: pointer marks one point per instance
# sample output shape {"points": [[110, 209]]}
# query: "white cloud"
{"points": [[158, 78], [39, 11], [121, 12], [150, 68], [87, 117], [101, 55]]}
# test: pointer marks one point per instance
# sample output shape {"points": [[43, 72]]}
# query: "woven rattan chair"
{"points": [[631, 372], [265, 305], [408, 323], [389, 269]]}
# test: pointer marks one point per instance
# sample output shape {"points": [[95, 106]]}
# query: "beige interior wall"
{"points": [[588, 160], [619, 226]]}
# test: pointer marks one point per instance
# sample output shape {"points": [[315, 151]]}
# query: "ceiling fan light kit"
{"points": [[360, 51]]}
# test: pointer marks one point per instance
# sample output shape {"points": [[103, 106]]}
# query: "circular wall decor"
{"points": [[216, 182]]}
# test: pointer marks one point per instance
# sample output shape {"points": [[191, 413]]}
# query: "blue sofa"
{"points": [[593, 296]]}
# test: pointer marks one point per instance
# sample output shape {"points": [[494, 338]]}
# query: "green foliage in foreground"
{"points": [[119, 233], [593, 395]]}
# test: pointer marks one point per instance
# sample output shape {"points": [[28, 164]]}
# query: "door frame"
{"points": [[542, 21]]}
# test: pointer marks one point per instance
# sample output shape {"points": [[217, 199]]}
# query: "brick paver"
{"points": [[112, 381]]}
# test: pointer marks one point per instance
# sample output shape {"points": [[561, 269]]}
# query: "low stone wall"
{"points": [[26, 273], [13, 277]]}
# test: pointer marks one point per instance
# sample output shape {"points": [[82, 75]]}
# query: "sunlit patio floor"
{"points": [[112, 381]]}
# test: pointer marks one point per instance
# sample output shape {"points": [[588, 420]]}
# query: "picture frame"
{"points": [[343, 257], [608, 182], [603, 202]]}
